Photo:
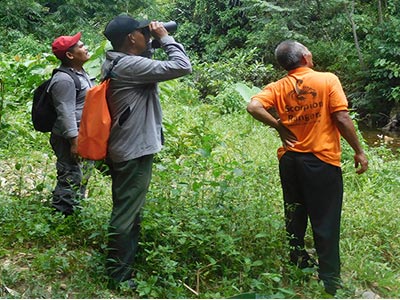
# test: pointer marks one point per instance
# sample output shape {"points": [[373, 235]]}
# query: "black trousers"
{"points": [[313, 189]]}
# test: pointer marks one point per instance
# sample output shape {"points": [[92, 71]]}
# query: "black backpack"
{"points": [[44, 114]]}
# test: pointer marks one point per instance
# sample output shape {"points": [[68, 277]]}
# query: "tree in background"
{"points": [[45, 19], [234, 40], [209, 28]]}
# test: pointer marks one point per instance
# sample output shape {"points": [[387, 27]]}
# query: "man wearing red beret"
{"points": [[68, 98]]}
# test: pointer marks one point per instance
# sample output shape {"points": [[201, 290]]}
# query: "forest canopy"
{"points": [[357, 40]]}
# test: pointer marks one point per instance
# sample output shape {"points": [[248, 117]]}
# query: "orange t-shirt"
{"points": [[305, 100]]}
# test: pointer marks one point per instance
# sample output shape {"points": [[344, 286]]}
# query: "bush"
{"points": [[212, 78]]}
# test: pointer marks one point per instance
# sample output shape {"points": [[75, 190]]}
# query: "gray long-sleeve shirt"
{"points": [[133, 99], [67, 102]]}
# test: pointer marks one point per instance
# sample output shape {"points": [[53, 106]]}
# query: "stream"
{"points": [[376, 137]]}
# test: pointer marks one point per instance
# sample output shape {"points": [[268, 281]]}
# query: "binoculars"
{"points": [[170, 26]]}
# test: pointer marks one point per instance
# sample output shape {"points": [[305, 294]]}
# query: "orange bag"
{"points": [[95, 126]]}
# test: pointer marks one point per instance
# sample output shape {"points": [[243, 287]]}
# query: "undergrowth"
{"points": [[213, 222]]}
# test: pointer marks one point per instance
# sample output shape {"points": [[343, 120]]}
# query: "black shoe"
{"points": [[66, 212], [129, 284], [301, 259], [304, 262], [331, 290], [132, 284], [332, 286], [308, 263]]}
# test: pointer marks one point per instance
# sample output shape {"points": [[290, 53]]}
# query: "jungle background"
{"points": [[213, 224]]}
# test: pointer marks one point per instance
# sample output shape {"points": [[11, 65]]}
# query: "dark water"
{"points": [[376, 137]]}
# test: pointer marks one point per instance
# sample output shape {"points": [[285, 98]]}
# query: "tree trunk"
{"points": [[350, 14], [380, 14], [393, 126], [1, 98]]}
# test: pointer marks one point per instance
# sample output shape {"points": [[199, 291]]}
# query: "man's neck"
{"points": [[76, 67]]}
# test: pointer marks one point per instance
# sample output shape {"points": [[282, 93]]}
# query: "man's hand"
{"points": [[258, 112], [74, 148], [361, 160], [348, 131], [287, 137], [157, 30]]}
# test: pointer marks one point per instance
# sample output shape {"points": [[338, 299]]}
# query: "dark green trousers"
{"points": [[130, 183]]}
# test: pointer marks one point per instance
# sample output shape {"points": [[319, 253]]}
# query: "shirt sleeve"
{"points": [[63, 93], [337, 97], [265, 97], [142, 70]]}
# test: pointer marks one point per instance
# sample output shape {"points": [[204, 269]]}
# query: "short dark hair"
{"points": [[65, 60], [289, 54], [117, 43]]}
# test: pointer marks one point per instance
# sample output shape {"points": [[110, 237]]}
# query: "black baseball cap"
{"points": [[119, 27]]}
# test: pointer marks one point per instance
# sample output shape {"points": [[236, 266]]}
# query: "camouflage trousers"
{"points": [[72, 177]]}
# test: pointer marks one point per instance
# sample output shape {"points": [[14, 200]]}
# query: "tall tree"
{"points": [[350, 15]]}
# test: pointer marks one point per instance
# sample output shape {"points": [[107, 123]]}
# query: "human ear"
{"points": [[69, 55], [131, 38], [305, 59]]}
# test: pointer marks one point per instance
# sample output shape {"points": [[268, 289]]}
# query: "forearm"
{"points": [[346, 128], [258, 112], [348, 131]]}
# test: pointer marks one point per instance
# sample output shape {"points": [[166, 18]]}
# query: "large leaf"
{"points": [[245, 91]]}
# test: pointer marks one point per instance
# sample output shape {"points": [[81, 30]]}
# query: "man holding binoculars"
{"points": [[136, 130]]}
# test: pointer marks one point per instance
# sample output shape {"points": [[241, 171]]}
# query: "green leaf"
{"points": [[245, 91]]}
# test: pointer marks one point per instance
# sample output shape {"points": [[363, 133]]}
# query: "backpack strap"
{"points": [[73, 76], [109, 73]]}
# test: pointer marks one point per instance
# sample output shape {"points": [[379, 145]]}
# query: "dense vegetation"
{"points": [[213, 224], [358, 40]]}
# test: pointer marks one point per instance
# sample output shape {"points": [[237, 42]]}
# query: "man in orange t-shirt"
{"points": [[312, 109]]}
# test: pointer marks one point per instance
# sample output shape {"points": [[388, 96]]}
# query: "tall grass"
{"points": [[213, 224]]}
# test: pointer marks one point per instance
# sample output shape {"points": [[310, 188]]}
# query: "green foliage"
{"points": [[209, 28], [20, 16], [20, 75], [385, 69], [246, 92], [221, 31], [234, 98], [241, 66], [213, 223]]}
